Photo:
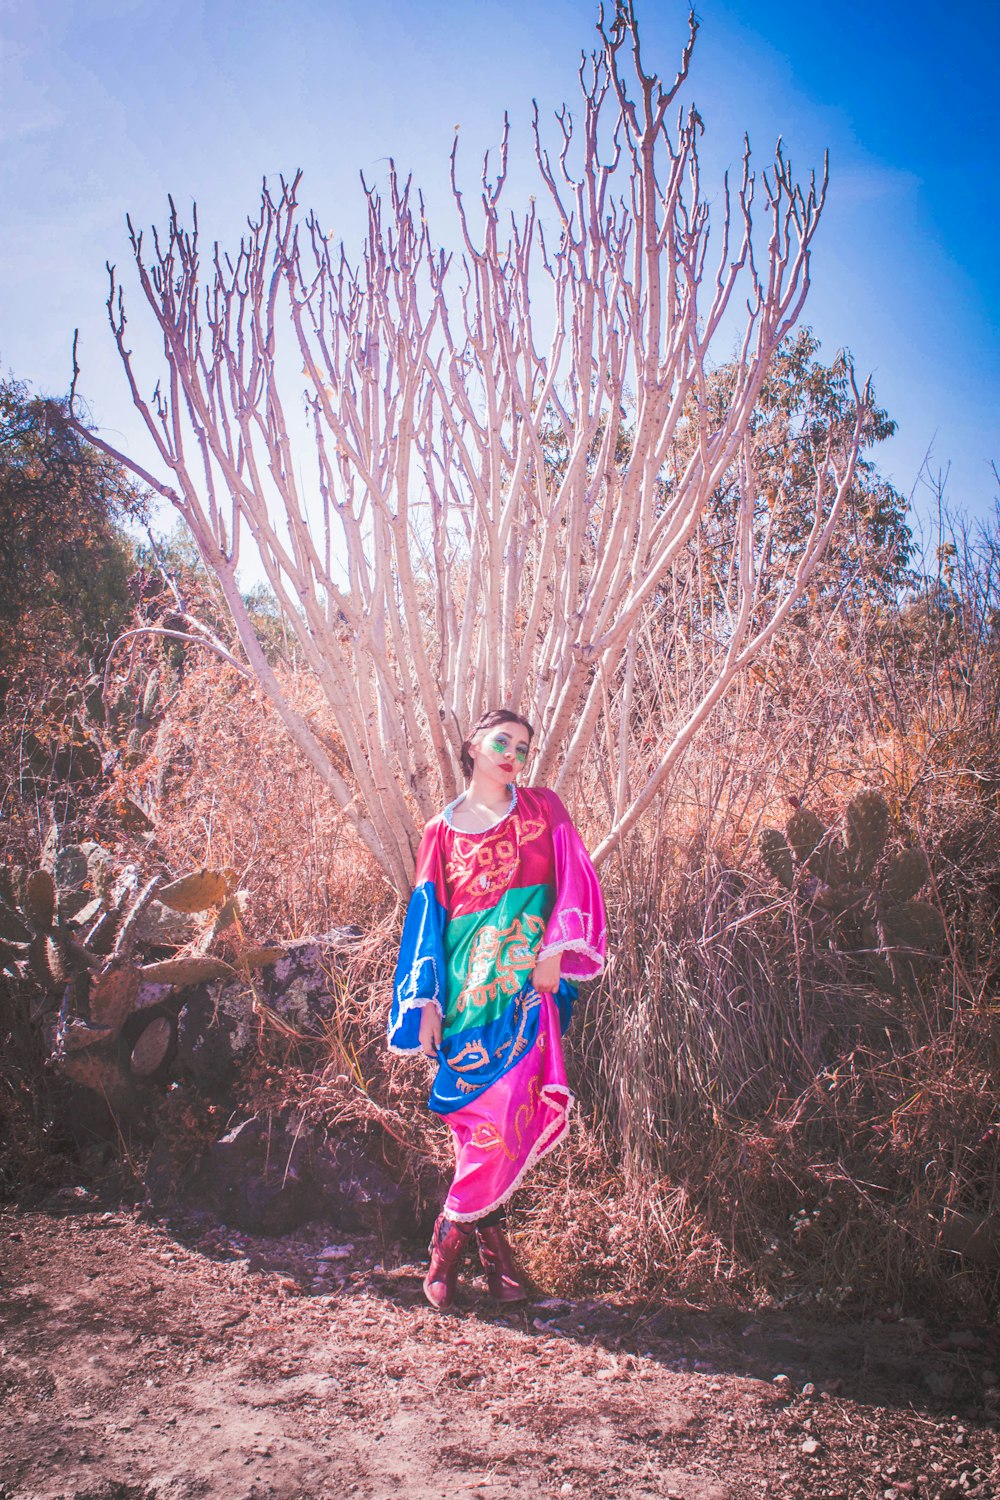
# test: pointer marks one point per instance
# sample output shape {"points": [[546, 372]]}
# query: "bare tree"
{"points": [[512, 445]]}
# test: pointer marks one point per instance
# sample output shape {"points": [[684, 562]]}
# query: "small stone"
{"points": [[566, 1488], [781, 1383], [810, 1447], [808, 1389], [335, 1252]]}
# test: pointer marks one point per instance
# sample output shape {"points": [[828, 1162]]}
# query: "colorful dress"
{"points": [[486, 908]]}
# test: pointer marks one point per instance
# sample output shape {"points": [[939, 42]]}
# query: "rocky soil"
{"points": [[163, 1359]]}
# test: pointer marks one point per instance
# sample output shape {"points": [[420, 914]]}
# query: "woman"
{"points": [[506, 914]]}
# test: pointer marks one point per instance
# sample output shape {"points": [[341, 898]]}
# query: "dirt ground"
{"points": [[159, 1360]]}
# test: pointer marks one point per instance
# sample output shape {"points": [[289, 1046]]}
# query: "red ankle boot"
{"points": [[505, 1281], [447, 1246]]}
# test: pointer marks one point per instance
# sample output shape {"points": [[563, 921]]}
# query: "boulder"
{"points": [[269, 1174], [253, 1177], [217, 1033]]}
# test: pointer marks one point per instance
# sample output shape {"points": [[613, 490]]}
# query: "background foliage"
{"points": [[64, 558]]}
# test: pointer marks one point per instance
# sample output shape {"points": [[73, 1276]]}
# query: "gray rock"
{"points": [[297, 987], [355, 1192], [217, 1033], [254, 1180], [269, 1175], [215, 1036]]}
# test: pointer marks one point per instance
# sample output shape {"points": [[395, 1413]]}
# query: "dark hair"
{"points": [[488, 721]]}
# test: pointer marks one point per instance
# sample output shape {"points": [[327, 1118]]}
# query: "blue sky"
{"points": [[108, 105]]}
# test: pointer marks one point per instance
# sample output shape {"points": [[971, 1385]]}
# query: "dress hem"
{"points": [[557, 1095]]}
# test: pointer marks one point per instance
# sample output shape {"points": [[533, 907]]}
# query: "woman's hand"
{"points": [[430, 1030], [545, 975]]}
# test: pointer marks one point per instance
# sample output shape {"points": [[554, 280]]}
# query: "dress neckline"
{"points": [[474, 833]]}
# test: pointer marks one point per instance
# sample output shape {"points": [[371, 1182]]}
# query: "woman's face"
{"points": [[501, 751]]}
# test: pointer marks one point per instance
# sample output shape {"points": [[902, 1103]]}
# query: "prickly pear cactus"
{"points": [[49, 960], [40, 898], [100, 869], [195, 892], [76, 927], [865, 897], [915, 936]]}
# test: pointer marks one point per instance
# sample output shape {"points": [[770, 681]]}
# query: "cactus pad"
{"points": [[101, 869], [195, 892], [185, 971], [48, 959], [777, 856], [913, 925], [259, 958], [867, 819], [905, 873], [152, 1046], [40, 898], [97, 1072], [112, 997], [806, 833]]}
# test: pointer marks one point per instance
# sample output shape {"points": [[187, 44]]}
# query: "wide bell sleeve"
{"points": [[421, 970], [576, 926]]}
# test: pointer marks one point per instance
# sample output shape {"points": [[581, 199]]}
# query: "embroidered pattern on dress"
{"points": [[519, 1043], [491, 864], [566, 933], [498, 957], [476, 1051], [488, 1137]]}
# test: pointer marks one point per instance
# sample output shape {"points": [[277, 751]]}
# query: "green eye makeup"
{"points": [[500, 747]]}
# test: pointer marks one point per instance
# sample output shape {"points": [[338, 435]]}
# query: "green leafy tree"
{"points": [[64, 558], [804, 407]]}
